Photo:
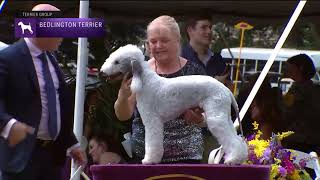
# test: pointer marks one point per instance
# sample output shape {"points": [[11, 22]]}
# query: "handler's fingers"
{"points": [[30, 129], [198, 110], [126, 76], [192, 118], [128, 83]]}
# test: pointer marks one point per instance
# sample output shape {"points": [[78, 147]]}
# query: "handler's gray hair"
{"points": [[169, 22]]}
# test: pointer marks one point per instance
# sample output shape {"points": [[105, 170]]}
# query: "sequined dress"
{"points": [[182, 141]]}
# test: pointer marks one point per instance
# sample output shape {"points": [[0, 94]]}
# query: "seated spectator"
{"points": [[266, 111], [302, 105], [104, 151], [265, 108]]}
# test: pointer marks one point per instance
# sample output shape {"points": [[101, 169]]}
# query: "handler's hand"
{"points": [[193, 115], [125, 91], [18, 133], [79, 156], [222, 78]]}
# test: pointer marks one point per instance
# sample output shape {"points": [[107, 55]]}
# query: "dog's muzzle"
{"points": [[113, 77]]}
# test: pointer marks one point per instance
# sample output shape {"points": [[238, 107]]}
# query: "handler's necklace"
{"points": [[156, 67]]}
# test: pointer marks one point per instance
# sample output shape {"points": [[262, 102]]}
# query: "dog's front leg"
{"points": [[153, 140]]}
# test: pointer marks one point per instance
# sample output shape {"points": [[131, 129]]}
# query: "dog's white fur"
{"points": [[25, 27], [161, 99]]}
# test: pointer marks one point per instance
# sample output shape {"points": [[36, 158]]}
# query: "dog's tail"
{"points": [[236, 109]]}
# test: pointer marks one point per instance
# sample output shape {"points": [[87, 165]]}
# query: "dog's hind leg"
{"points": [[218, 113], [153, 140]]}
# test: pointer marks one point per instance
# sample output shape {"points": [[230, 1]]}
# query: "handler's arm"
{"points": [[124, 107]]}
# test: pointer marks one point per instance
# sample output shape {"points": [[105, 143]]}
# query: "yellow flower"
{"points": [[277, 161], [274, 171], [259, 146], [294, 175], [284, 134], [258, 135], [255, 125]]}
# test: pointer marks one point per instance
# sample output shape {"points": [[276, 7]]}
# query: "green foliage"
{"points": [[302, 36], [101, 118]]}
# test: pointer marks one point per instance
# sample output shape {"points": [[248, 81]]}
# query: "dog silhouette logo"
{"points": [[25, 27]]}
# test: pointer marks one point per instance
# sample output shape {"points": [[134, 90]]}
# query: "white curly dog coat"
{"points": [[161, 99]]}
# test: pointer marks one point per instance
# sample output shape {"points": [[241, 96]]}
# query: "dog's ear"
{"points": [[136, 67]]}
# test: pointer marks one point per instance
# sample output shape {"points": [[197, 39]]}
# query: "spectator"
{"points": [[199, 33], [265, 109], [302, 105], [105, 150]]}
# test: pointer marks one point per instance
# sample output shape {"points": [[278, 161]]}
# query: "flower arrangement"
{"points": [[270, 152]]}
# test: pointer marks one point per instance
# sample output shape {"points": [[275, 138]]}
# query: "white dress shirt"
{"points": [[43, 132]]}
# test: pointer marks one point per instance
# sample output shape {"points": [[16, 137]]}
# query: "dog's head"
{"points": [[119, 62]]}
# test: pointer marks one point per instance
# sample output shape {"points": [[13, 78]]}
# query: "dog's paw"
{"points": [[238, 152], [147, 160]]}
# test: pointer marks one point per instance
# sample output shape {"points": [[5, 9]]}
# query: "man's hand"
{"points": [[18, 133], [193, 115], [79, 156]]}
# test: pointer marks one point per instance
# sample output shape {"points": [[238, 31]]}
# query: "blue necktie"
{"points": [[51, 97]]}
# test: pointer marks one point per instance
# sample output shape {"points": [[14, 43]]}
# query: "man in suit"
{"points": [[35, 110]]}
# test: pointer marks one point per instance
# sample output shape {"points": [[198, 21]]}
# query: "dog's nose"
{"points": [[103, 75]]}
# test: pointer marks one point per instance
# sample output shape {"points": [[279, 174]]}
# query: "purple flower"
{"points": [[288, 165], [251, 137], [252, 156], [283, 154], [282, 171], [275, 144], [302, 163], [267, 153], [286, 154], [267, 156]]}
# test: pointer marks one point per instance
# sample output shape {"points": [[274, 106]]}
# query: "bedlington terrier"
{"points": [[161, 99]]}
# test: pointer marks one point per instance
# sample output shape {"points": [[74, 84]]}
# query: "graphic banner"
{"points": [[59, 27]]}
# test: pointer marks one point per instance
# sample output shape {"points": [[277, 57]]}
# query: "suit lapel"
{"points": [[29, 65]]}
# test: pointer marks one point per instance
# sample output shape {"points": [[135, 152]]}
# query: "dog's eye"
{"points": [[116, 62]]}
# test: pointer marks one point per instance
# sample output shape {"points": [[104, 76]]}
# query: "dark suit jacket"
{"points": [[20, 99]]}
